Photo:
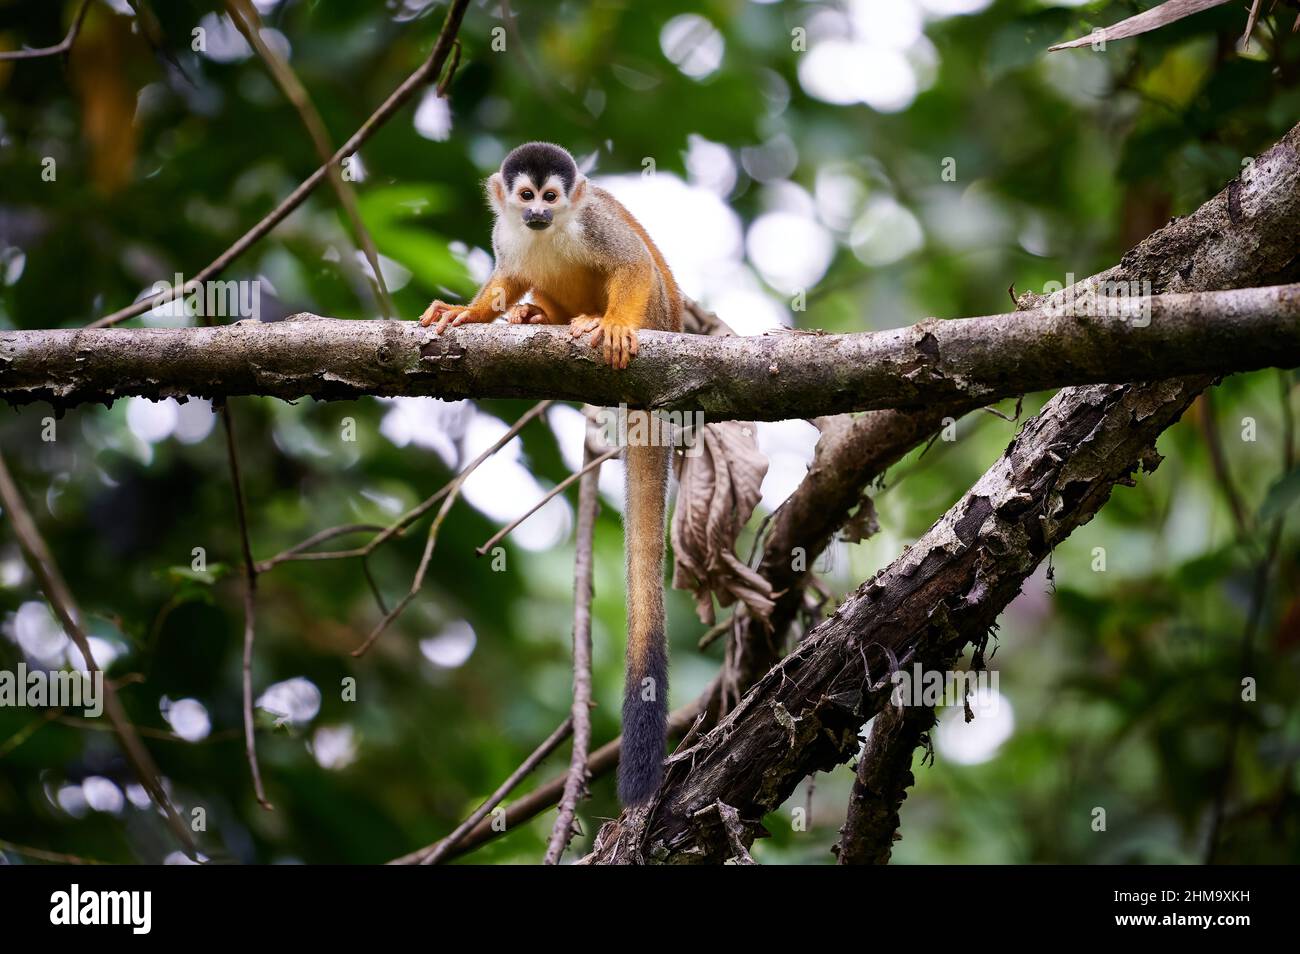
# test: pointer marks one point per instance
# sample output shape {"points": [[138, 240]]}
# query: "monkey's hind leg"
{"points": [[527, 313]]}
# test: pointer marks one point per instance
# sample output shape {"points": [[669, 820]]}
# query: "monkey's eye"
{"points": [[549, 195], [526, 195]]}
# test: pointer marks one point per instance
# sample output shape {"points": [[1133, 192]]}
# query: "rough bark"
{"points": [[880, 784], [947, 590], [943, 593], [1246, 235], [1105, 338]]}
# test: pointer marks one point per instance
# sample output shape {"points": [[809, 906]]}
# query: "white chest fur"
{"points": [[539, 255]]}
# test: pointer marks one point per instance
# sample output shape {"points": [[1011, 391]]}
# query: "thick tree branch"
{"points": [[944, 592], [1244, 236], [880, 784], [754, 378]]}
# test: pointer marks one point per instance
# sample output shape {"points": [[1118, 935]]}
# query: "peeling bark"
{"points": [[880, 784], [941, 594], [1246, 235]]}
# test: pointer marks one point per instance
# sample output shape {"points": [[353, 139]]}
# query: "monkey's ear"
{"points": [[579, 191], [496, 190]]}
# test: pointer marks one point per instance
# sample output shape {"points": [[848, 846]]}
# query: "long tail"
{"points": [[645, 692]]}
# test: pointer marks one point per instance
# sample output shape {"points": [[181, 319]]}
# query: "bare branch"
{"points": [[299, 550], [588, 467], [65, 608], [249, 23], [439, 850], [1166, 13], [602, 762], [946, 591], [773, 377], [883, 776], [250, 605], [60, 48], [575, 784], [424, 74], [1244, 236]]}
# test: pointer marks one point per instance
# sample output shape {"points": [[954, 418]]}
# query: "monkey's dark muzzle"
{"points": [[537, 220]]}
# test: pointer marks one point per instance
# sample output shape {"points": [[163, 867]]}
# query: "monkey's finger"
{"points": [[447, 318]]}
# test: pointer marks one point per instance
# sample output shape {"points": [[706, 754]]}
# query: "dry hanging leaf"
{"points": [[718, 489], [1144, 22]]}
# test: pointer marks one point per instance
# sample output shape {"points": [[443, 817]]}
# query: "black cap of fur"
{"points": [[645, 727], [539, 161]]}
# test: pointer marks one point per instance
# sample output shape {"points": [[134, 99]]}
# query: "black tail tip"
{"points": [[641, 762], [637, 782]]}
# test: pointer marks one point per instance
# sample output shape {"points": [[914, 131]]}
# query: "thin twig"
{"points": [[162, 735], [64, 46], [713, 632], [544, 796], [315, 538], [27, 731], [558, 489], [437, 851], [405, 520], [1219, 463], [249, 23], [445, 83], [430, 542], [61, 601], [250, 606], [374, 586], [1263, 570], [40, 854], [425, 73], [575, 786]]}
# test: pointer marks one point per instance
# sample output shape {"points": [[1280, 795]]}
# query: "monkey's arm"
{"points": [[500, 292], [628, 291]]}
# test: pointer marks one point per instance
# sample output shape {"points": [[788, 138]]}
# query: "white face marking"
{"points": [[531, 199], [539, 252]]}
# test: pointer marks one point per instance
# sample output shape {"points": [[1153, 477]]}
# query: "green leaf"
{"points": [[1280, 496], [209, 576]]}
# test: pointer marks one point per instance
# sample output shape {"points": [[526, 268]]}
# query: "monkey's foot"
{"points": [[527, 313], [619, 339], [445, 314]]}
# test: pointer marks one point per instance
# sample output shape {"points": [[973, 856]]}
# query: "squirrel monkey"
{"points": [[584, 261]]}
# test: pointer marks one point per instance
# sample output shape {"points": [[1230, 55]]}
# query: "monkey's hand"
{"points": [[445, 315], [527, 313], [618, 338]]}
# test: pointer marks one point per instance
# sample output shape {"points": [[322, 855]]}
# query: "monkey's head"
{"points": [[538, 185]]}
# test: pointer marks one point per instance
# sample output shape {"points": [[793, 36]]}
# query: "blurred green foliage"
{"points": [[1124, 684]]}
